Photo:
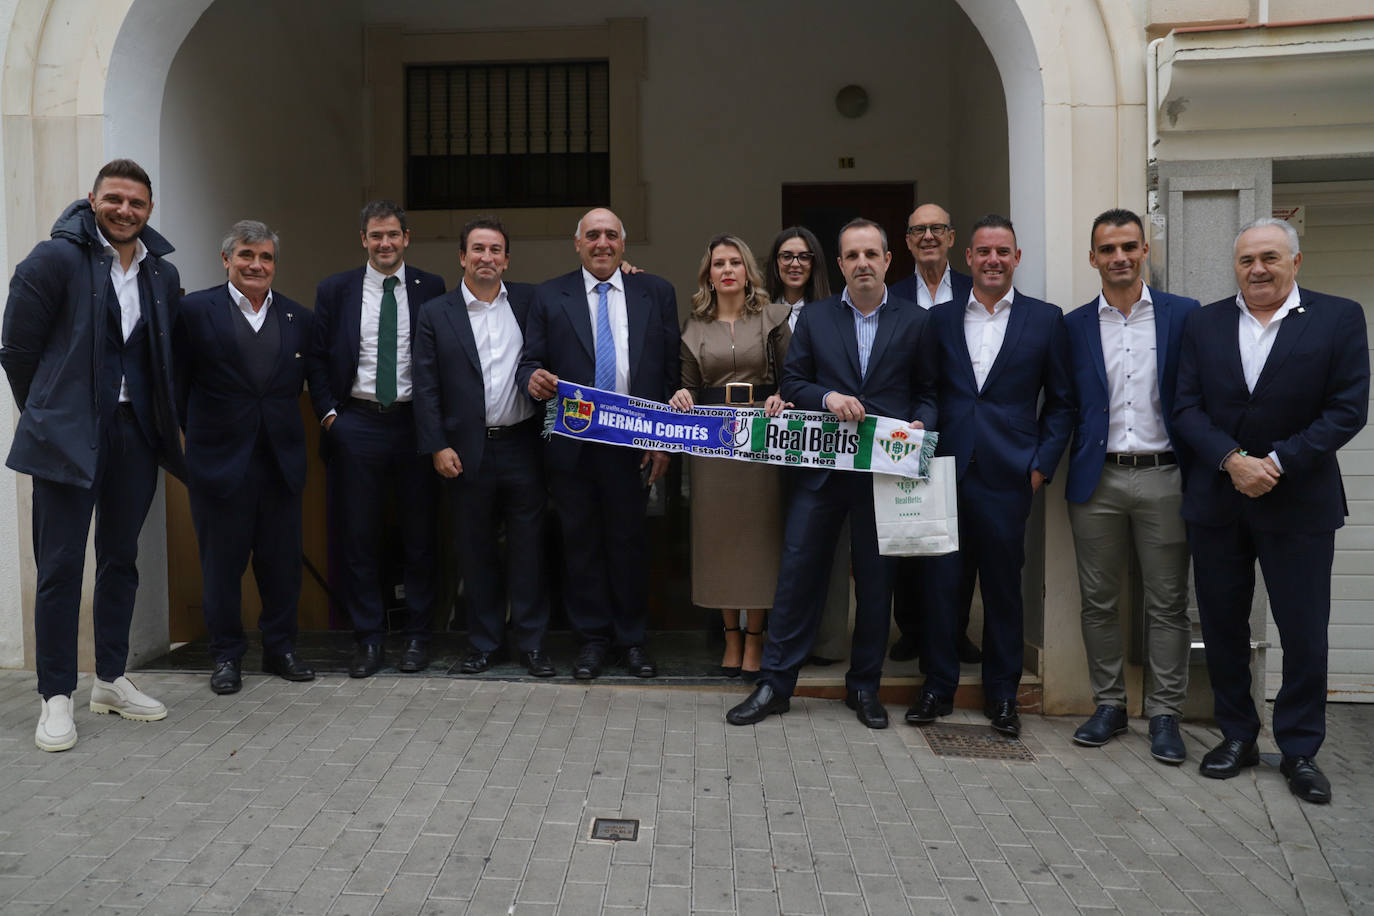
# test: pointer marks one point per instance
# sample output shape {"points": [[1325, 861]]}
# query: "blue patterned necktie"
{"points": [[605, 341]]}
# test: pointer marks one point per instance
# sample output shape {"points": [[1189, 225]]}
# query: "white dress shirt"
{"points": [[943, 293], [1135, 417], [499, 341], [126, 292], [983, 333], [365, 383], [620, 323], [255, 319], [1257, 340], [792, 316]]}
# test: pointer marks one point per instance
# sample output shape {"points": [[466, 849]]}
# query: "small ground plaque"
{"points": [[614, 828], [976, 741]]}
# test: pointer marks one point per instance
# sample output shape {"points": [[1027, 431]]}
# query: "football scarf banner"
{"points": [[799, 438]]}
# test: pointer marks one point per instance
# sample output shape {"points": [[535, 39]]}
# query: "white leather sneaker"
{"points": [[56, 731], [122, 698]]}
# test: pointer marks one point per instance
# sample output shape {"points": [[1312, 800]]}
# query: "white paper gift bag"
{"points": [[917, 517]]}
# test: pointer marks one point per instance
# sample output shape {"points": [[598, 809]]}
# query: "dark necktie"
{"points": [[386, 345]]}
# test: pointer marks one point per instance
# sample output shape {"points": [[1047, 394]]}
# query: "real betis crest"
{"points": [[899, 445], [577, 413], [906, 484]]}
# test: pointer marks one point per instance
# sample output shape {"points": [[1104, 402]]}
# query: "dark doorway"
{"points": [[825, 208]]}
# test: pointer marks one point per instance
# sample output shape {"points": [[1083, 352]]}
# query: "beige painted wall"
{"points": [[728, 115]]}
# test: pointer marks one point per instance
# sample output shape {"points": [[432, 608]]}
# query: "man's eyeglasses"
{"points": [[801, 257], [936, 229]]}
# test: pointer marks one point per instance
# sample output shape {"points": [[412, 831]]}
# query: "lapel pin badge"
{"points": [[1300, 310], [290, 316]]}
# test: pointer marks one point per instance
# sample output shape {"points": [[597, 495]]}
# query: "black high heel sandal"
{"points": [[732, 670]]}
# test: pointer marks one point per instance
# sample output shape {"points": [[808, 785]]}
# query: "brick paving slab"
{"points": [[404, 795]]}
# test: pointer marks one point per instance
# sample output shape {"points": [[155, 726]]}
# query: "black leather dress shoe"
{"points": [[367, 659], [1166, 742], [226, 677], [538, 664], [1104, 725], [929, 707], [1306, 780], [759, 705], [868, 706], [288, 665], [479, 660], [967, 650], [639, 663], [1004, 717], [904, 649], [415, 657], [1228, 758], [588, 663]]}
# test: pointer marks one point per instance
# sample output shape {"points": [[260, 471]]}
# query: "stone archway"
{"points": [[85, 79]]}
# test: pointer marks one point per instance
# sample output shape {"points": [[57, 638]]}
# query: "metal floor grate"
{"points": [[977, 741]]}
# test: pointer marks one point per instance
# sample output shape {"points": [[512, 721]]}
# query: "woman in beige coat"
{"points": [[732, 348]]}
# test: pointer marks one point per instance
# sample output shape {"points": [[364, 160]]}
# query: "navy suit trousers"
{"points": [[600, 505], [371, 453], [509, 489], [813, 525], [992, 534], [262, 517], [1297, 575], [125, 481]]}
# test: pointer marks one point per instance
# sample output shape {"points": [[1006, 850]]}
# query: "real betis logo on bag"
{"points": [[905, 484], [899, 445], [577, 413]]}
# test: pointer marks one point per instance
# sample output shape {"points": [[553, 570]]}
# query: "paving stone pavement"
{"points": [[438, 795]]}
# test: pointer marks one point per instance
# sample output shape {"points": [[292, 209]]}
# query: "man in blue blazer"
{"points": [[854, 354], [1271, 383], [600, 327], [999, 351], [929, 238], [87, 350], [240, 351], [361, 356], [482, 431], [1125, 483]]}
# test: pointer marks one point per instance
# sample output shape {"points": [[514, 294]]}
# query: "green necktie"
{"points": [[386, 345]]}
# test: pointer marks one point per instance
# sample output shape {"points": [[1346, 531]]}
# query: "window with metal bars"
{"points": [[534, 134]]}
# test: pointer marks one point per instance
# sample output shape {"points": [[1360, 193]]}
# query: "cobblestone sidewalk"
{"points": [[436, 795]]}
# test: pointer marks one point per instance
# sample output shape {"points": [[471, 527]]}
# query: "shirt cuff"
{"points": [[1274, 457], [325, 418]]}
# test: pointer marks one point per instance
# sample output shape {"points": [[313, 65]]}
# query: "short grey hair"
{"points": [[249, 232], [577, 233], [1264, 221]]}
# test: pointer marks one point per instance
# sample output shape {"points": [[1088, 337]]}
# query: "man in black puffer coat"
{"points": [[87, 349]]}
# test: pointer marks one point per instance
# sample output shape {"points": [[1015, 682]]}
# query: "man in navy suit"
{"points": [[1125, 484], [854, 354], [240, 351], [929, 238], [999, 351], [87, 349], [600, 327], [1270, 384], [361, 357], [482, 431]]}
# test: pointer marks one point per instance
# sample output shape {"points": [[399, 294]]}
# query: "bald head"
{"points": [[929, 237], [600, 242]]}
